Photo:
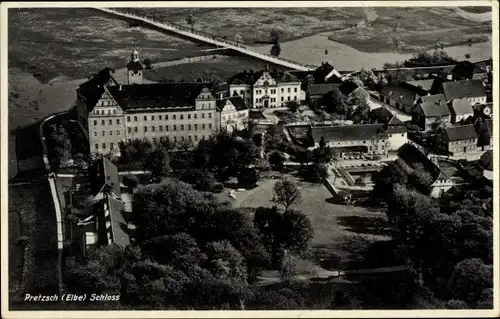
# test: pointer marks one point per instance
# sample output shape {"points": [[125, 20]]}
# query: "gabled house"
{"points": [[399, 97], [104, 178], [409, 158], [419, 86], [233, 114], [315, 92], [460, 110], [429, 110], [458, 139], [352, 141], [396, 130], [464, 70], [471, 90]]}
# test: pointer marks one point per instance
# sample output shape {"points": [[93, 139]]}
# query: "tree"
{"points": [[385, 181], [225, 262], [316, 172], [276, 159], [456, 304], [469, 279], [276, 49], [248, 177], [485, 299], [296, 231], [191, 21], [206, 183], [286, 193], [292, 106], [467, 55], [335, 102], [158, 162], [148, 64], [131, 181], [289, 267]]}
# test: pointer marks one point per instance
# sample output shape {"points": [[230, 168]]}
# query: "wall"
{"points": [[396, 140]]}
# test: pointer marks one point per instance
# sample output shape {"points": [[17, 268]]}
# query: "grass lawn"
{"points": [[33, 204], [341, 233]]}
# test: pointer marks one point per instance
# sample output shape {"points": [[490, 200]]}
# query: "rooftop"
{"points": [[348, 132], [104, 177], [322, 88], [403, 95], [461, 107], [412, 157], [421, 84], [463, 89], [250, 77], [460, 132], [236, 101], [466, 69], [434, 106], [157, 95]]}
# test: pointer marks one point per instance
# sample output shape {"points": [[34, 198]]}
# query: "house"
{"points": [[399, 97], [458, 139], [471, 90], [430, 110], [396, 130], [460, 110], [104, 178], [423, 86], [315, 92], [266, 89], [410, 158], [464, 70], [349, 89], [175, 112], [233, 114], [352, 141]]}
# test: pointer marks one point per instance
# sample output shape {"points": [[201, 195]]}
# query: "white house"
{"points": [[233, 114]]}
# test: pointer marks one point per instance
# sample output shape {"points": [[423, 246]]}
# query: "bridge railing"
{"points": [[152, 20]]}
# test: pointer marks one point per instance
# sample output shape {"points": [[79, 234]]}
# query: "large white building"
{"points": [[113, 112], [266, 89]]}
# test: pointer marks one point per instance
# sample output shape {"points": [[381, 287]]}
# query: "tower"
{"points": [[134, 69]]}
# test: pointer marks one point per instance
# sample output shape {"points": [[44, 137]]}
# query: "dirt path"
{"points": [[479, 17]]}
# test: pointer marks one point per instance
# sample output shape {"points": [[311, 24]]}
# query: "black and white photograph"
{"points": [[176, 157]]}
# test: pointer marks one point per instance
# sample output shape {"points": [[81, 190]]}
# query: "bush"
{"points": [[131, 181], [248, 177], [205, 184], [217, 187]]}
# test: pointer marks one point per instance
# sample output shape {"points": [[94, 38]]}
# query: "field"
{"points": [[341, 233], [476, 9]]}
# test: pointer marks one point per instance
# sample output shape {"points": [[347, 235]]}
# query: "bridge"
{"points": [[213, 40]]}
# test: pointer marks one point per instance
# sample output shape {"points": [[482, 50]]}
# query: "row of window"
{"points": [[174, 117], [189, 127], [274, 99], [102, 112], [463, 142], [110, 122], [273, 91], [154, 139]]}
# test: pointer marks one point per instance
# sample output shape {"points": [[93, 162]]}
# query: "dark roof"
{"points": [[425, 85], [348, 149], [301, 75], [465, 88], [104, 177], [322, 88], [381, 114], [412, 157], [396, 126], [93, 89], [404, 95], [395, 121], [134, 66], [322, 71], [348, 132], [116, 209], [348, 87], [460, 132], [461, 107], [434, 107], [237, 101], [157, 95], [467, 69], [250, 77]]}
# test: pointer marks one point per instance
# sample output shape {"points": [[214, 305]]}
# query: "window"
{"points": [[289, 90], [152, 128], [130, 130], [203, 137], [189, 127], [166, 117], [242, 92], [152, 118], [145, 128], [103, 133], [159, 117], [209, 115], [182, 116], [282, 90], [174, 117], [288, 98], [135, 118], [118, 132], [182, 127], [103, 145], [96, 146], [166, 128], [195, 116], [95, 122], [202, 115], [295, 98], [196, 127], [175, 138], [111, 145], [109, 112], [128, 118], [160, 128], [202, 105], [402, 134], [189, 138], [282, 99], [135, 129], [95, 133], [196, 137], [175, 127], [189, 116], [110, 133], [182, 138], [210, 125], [103, 122], [203, 126], [118, 121], [295, 90], [145, 117]]}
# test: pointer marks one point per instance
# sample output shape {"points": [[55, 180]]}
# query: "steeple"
{"points": [[134, 68], [134, 57]]}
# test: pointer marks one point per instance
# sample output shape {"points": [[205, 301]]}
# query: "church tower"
{"points": [[134, 69]]}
